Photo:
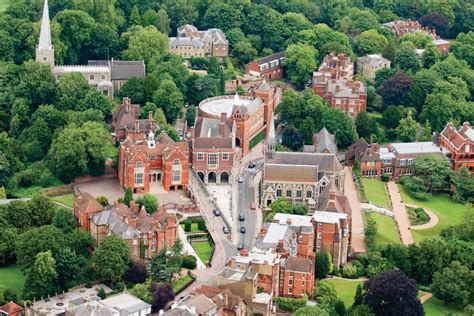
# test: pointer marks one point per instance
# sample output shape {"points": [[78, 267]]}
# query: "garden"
{"points": [[417, 216], [375, 192], [204, 250], [448, 211], [387, 232], [12, 278]]}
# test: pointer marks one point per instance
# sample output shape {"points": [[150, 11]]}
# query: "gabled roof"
{"points": [[86, 203], [325, 142], [45, 32], [270, 58], [298, 264], [11, 308]]}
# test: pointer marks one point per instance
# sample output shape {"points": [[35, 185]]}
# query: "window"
{"points": [[200, 156], [290, 282], [299, 193], [45, 59], [319, 235], [153, 157], [407, 171], [318, 244], [351, 109], [91, 77], [288, 193], [403, 162], [176, 162], [102, 77], [289, 290], [225, 156], [278, 193], [176, 176], [139, 178], [387, 161], [388, 170], [309, 194], [212, 159], [291, 274], [302, 282], [320, 225], [300, 238], [409, 161]]}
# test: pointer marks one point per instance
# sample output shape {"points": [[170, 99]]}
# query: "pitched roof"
{"points": [[86, 203], [370, 155], [298, 264], [294, 173], [325, 162], [126, 69], [325, 141], [45, 32], [11, 308], [270, 58]]}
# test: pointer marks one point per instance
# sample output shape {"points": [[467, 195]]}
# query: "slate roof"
{"points": [[126, 69], [298, 264], [325, 141], [290, 172], [270, 58], [325, 162], [115, 224], [370, 155]]}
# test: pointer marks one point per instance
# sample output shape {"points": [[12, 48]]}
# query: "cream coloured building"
{"points": [[367, 65], [189, 42]]}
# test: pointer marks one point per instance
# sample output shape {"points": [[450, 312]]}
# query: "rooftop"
{"points": [[226, 104], [415, 148], [81, 69], [125, 302], [328, 217], [296, 220]]}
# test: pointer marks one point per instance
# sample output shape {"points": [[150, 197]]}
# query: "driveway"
{"points": [[400, 213], [109, 188], [358, 228]]}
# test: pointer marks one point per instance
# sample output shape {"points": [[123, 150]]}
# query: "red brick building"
{"points": [[269, 67], [213, 148], [150, 162], [460, 144], [296, 277], [85, 206], [126, 122], [333, 82], [251, 115], [145, 234]]}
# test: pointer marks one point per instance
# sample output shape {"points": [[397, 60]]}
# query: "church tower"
{"points": [[45, 49], [271, 139]]}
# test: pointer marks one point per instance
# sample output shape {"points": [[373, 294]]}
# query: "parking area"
{"points": [[109, 188], [222, 196]]}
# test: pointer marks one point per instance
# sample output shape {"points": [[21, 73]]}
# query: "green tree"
{"points": [[110, 260], [150, 202], [244, 52], [281, 205], [162, 21], [311, 311], [97, 101], [41, 277], [128, 196], [454, 284], [357, 21], [419, 39], [323, 264], [37, 84], [431, 255], [300, 62], [397, 254], [64, 219], [222, 15], [103, 11], [180, 12], [434, 169], [464, 183], [370, 42], [145, 43], [431, 56], [361, 310], [169, 98], [341, 125], [8, 238], [366, 126], [408, 128], [135, 18], [463, 47], [325, 293], [406, 57]]}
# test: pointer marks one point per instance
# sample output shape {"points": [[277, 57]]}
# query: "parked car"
{"points": [[243, 230], [225, 230], [241, 179], [241, 217], [253, 206], [241, 246], [216, 212], [252, 165]]}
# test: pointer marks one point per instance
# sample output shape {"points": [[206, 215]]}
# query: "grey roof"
{"points": [[325, 141], [264, 86], [115, 224], [374, 60], [45, 33], [126, 69], [325, 162], [271, 132], [186, 41], [269, 58], [415, 148], [125, 302], [93, 309]]}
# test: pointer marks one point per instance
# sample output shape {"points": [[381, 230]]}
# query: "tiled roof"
{"points": [[370, 155], [325, 141], [298, 264], [270, 58], [325, 162], [293, 173], [86, 203], [11, 308]]}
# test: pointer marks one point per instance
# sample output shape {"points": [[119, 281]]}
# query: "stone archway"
{"points": [[238, 143], [224, 177], [212, 177], [201, 176]]}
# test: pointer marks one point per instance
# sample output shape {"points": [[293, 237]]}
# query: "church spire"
{"points": [[45, 49], [271, 139]]}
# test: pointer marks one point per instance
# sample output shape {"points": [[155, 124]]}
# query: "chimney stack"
{"points": [[127, 102], [222, 124], [150, 116]]}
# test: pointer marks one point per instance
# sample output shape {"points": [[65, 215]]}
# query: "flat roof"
{"points": [[416, 148], [296, 220], [328, 217], [275, 232], [225, 104]]}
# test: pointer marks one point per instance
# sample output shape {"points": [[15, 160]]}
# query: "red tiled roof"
{"points": [[11, 308]]}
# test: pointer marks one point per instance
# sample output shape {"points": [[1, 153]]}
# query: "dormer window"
{"points": [[176, 162]]}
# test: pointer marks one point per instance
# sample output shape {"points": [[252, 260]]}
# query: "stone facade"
{"points": [[269, 67], [150, 162], [189, 42], [369, 64], [460, 144]]}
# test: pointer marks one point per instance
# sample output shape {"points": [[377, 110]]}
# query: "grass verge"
{"points": [[203, 249], [67, 199], [181, 283], [387, 232], [345, 289]]}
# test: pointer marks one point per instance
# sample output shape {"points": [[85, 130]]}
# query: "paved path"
{"points": [[400, 213], [426, 296], [358, 235], [433, 218]]}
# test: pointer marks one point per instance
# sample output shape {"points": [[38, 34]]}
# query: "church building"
{"points": [[106, 76]]}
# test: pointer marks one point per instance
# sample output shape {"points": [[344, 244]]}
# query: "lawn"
{"points": [[194, 227], [204, 250], [435, 307], [28, 192], [179, 284], [376, 192], [11, 277], [387, 232], [345, 289], [448, 211], [67, 199], [4, 4]]}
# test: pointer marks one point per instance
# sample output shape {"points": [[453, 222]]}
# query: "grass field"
{"points": [[387, 232], [345, 289], [12, 278], [204, 250], [376, 192], [435, 307], [179, 284], [67, 199], [194, 227], [4, 4], [448, 211]]}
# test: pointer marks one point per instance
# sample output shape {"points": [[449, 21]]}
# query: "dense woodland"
{"points": [[53, 131]]}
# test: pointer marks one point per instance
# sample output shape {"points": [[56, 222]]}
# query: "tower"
{"points": [[45, 49], [271, 140]]}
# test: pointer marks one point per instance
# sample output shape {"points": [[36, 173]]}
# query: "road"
{"points": [[245, 196]]}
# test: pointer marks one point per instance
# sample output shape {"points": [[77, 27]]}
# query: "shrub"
{"points": [[289, 304], [101, 293], [360, 268], [371, 233], [102, 200], [201, 225], [349, 271], [187, 227], [189, 262], [385, 177]]}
